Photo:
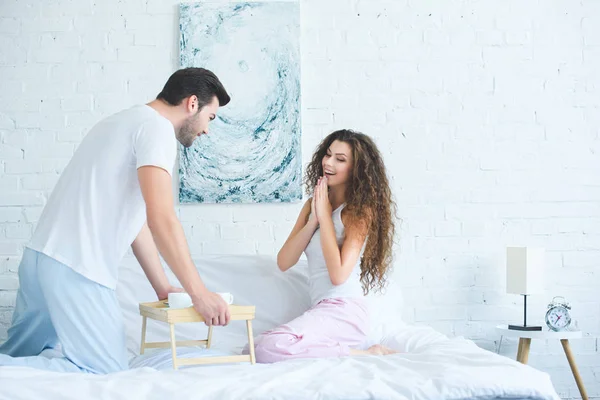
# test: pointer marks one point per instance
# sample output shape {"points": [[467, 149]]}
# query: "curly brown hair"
{"points": [[369, 202]]}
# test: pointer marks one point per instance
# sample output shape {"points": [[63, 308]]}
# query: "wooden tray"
{"points": [[159, 311]]}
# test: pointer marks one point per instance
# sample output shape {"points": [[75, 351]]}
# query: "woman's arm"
{"points": [[298, 239], [339, 263]]}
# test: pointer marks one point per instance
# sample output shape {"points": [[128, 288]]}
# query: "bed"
{"points": [[429, 365]]}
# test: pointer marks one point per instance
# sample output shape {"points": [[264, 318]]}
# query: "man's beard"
{"points": [[186, 134]]}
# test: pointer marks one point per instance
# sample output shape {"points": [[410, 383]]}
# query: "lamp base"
{"points": [[524, 328]]}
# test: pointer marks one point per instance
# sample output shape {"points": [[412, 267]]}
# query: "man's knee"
{"points": [[108, 366]]}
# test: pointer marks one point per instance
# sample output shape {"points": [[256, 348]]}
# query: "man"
{"points": [[115, 192]]}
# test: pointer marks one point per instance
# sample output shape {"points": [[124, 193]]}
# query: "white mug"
{"points": [[228, 297], [179, 300]]}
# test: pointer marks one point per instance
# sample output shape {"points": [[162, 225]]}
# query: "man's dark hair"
{"points": [[194, 81]]}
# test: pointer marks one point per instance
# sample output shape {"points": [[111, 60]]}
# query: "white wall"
{"points": [[487, 113]]}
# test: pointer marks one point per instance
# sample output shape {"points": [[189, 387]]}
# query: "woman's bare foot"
{"points": [[375, 350], [380, 350]]}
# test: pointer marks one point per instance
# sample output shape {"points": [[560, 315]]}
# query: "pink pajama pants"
{"points": [[329, 329]]}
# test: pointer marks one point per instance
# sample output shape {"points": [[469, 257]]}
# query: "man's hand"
{"points": [[213, 309], [163, 294]]}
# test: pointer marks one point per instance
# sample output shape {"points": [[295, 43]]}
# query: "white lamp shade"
{"points": [[524, 270]]}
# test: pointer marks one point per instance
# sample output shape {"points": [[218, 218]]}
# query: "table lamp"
{"points": [[524, 276]]}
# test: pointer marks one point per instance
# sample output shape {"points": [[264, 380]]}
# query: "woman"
{"points": [[346, 230]]}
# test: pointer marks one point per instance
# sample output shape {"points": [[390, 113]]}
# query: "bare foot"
{"points": [[375, 350], [380, 350]]}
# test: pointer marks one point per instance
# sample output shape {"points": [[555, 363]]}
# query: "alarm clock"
{"points": [[558, 317]]}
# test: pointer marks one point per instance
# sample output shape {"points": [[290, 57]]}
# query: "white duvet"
{"points": [[430, 365]]}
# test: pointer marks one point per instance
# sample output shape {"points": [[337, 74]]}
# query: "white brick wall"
{"points": [[486, 112]]}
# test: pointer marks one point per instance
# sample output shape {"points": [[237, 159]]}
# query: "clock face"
{"points": [[558, 318]]}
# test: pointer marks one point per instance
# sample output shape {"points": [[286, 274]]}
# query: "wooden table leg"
{"points": [[520, 350], [173, 346], [250, 342], [143, 345], [525, 350], [569, 354], [209, 338]]}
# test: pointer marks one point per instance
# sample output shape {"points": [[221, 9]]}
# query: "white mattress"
{"points": [[430, 365], [434, 368]]}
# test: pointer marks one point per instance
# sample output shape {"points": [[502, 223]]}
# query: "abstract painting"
{"points": [[252, 153]]}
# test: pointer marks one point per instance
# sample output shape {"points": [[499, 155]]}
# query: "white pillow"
{"points": [[385, 311], [253, 280]]}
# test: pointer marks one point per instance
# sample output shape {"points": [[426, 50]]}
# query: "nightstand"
{"points": [[525, 342]]}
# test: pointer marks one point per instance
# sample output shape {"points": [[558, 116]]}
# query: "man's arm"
{"points": [[170, 240], [146, 253]]}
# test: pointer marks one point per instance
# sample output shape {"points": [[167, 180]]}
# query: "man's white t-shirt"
{"points": [[96, 209]]}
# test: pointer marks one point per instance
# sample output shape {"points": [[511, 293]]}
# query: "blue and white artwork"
{"points": [[252, 152]]}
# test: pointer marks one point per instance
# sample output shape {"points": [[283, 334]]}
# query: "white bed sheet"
{"points": [[430, 365], [434, 368]]}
